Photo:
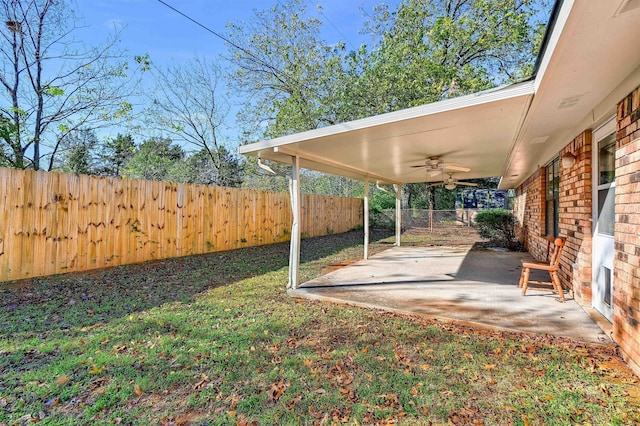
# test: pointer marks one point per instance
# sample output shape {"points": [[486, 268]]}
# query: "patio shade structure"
{"points": [[477, 131]]}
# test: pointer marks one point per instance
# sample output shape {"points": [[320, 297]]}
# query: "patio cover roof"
{"points": [[476, 130], [590, 57]]}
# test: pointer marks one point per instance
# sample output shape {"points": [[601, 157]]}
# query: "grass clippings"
{"points": [[214, 340]]}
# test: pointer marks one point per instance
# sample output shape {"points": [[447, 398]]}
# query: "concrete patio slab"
{"points": [[455, 283]]}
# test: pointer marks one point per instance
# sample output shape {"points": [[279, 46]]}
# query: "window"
{"points": [[606, 185], [552, 198]]}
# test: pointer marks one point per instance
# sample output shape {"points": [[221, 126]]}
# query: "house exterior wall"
{"points": [[574, 217], [575, 223], [626, 310]]}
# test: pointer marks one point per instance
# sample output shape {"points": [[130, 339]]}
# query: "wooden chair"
{"points": [[552, 267]]}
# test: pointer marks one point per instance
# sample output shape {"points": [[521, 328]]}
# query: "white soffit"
{"points": [[593, 49], [477, 131]]}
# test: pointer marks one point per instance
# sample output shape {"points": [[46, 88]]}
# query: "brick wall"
{"points": [[574, 217], [626, 310], [529, 210]]}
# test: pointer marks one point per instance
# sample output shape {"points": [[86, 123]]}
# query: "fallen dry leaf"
{"points": [[62, 380], [277, 389], [137, 390], [292, 404]]}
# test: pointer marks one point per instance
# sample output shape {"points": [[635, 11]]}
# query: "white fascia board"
{"points": [[558, 27], [480, 98]]}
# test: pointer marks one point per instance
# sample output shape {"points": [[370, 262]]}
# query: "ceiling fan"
{"points": [[451, 183], [435, 166]]}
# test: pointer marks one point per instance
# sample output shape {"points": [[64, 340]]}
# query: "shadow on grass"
{"points": [[77, 300]]}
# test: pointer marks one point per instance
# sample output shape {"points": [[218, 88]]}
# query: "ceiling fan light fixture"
{"points": [[450, 186]]}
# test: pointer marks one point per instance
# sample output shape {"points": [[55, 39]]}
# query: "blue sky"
{"points": [[150, 27]]}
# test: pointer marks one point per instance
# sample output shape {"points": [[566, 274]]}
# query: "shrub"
{"points": [[380, 205], [498, 226], [382, 201]]}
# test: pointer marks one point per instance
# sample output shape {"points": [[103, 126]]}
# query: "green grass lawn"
{"points": [[214, 339]]}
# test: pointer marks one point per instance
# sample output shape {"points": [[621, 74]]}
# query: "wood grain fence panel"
{"points": [[208, 235], [15, 190], [54, 223], [181, 234], [25, 209], [194, 219], [231, 213], [131, 223], [199, 228], [117, 204], [104, 200], [175, 228], [153, 220], [247, 231], [82, 221], [188, 207], [146, 236], [71, 242], [38, 206], [106, 214], [5, 207], [212, 212]]}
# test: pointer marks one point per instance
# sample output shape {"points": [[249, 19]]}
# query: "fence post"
{"points": [[431, 220]]}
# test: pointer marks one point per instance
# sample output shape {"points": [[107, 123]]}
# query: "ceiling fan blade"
{"points": [[421, 165], [456, 167], [433, 185], [433, 173], [467, 183]]}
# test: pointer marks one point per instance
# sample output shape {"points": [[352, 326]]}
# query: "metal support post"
{"points": [[366, 218], [294, 248]]}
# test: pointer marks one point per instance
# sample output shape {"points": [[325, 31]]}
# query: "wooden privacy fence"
{"points": [[54, 223]]}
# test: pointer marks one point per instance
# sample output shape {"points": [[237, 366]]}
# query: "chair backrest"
{"points": [[558, 245]]}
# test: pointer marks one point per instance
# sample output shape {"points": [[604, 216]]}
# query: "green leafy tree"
{"points": [[78, 153], [286, 70], [429, 50], [52, 84], [198, 168], [114, 155], [154, 160]]}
